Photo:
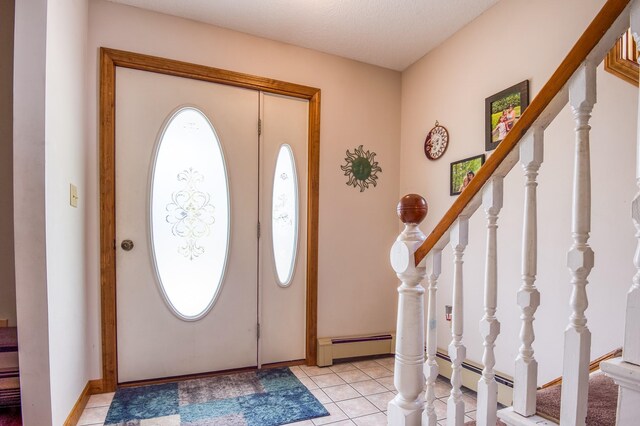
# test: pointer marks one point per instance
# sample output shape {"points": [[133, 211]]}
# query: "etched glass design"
{"points": [[284, 215], [189, 213]]}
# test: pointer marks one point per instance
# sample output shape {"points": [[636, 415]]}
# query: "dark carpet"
{"points": [[603, 397], [10, 417]]}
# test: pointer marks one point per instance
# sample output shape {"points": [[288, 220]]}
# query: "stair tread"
{"points": [[603, 397], [9, 372], [8, 339], [602, 401], [8, 403], [9, 383]]}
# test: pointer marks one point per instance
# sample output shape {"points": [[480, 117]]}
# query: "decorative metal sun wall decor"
{"points": [[361, 168]]}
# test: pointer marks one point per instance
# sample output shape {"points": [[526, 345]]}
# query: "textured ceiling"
{"points": [[389, 33]]}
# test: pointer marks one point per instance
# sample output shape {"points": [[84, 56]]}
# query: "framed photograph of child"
{"points": [[463, 171], [502, 111]]}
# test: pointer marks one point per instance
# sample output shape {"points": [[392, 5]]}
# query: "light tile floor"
{"points": [[355, 393]]}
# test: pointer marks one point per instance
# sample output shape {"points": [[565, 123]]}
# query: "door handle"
{"points": [[127, 245]]}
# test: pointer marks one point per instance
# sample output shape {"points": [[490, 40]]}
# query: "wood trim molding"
{"points": [[109, 60], [313, 190], [622, 59], [585, 44], [91, 388], [107, 221]]}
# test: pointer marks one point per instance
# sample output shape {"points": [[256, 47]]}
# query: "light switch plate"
{"points": [[73, 195]]}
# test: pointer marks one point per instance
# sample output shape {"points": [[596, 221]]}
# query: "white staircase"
{"points": [[415, 256]]}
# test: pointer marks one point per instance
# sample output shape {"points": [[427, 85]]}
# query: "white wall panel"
{"points": [[513, 41]]}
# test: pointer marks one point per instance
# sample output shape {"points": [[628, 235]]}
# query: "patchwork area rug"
{"points": [[258, 398]]}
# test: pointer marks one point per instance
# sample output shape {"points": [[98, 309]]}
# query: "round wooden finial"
{"points": [[412, 209]]}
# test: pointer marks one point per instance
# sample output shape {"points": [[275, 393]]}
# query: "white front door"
{"points": [[284, 228], [187, 298]]}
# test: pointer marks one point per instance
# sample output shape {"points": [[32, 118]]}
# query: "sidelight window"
{"points": [[284, 218]]}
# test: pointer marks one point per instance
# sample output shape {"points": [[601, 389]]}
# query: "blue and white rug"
{"points": [[258, 398]]}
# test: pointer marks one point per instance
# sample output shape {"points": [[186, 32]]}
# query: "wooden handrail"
{"points": [[585, 44]]}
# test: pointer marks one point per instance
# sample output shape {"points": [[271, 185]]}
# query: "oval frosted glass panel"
{"points": [[284, 215], [189, 213]]}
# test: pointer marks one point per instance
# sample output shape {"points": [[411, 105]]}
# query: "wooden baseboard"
{"points": [[96, 387], [92, 387], [291, 363]]}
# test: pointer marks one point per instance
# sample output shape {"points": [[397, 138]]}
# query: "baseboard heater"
{"points": [[471, 374], [477, 370], [333, 348]]}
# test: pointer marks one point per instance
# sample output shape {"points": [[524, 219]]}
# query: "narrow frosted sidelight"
{"points": [[189, 213], [284, 215]]}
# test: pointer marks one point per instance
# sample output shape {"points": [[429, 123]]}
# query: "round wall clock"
{"points": [[436, 142]]}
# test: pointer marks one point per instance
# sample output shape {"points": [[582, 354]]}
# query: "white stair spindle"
{"points": [[631, 346], [407, 407], [433, 265], [626, 370], [526, 369], [577, 337], [457, 351], [489, 325]]}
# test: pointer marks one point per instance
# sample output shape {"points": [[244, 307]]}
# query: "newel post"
{"points": [[407, 406]]}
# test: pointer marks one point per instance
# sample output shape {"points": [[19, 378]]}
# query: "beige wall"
{"points": [[50, 128], [29, 210], [7, 267], [514, 41], [360, 105], [66, 162]]}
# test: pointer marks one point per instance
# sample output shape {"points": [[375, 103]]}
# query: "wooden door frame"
{"points": [[109, 60]]}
